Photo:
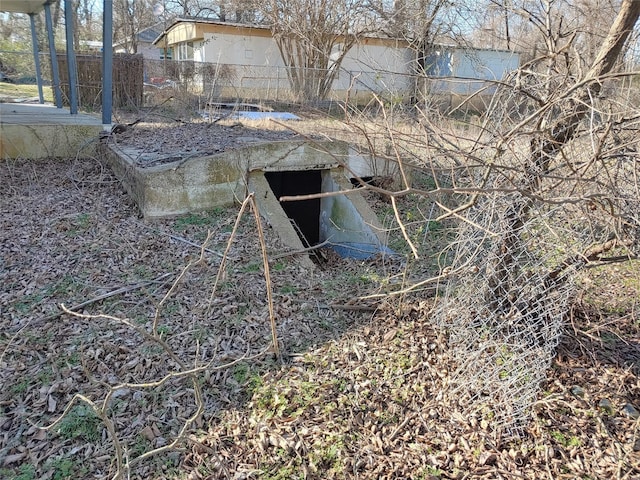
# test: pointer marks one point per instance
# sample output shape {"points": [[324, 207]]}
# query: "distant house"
{"points": [[249, 56], [144, 39], [89, 46]]}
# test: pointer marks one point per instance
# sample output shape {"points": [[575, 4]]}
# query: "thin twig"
{"points": [[177, 281], [225, 255], [78, 306], [267, 276], [362, 308], [111, 294], [403, 229], [178, 238], [303, 250]]}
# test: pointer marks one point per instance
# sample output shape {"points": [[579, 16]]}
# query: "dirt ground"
{"points": [[170, 352]]}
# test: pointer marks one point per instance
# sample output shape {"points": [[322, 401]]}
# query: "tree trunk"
{"points": [[546, 145]]}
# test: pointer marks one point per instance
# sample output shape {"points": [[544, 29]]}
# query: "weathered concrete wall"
{"points": [[47, 141], [347, 218], [177, 188], [181, 187]]}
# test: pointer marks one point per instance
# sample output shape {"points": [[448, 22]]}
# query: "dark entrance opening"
{"points": [[304, 214]]}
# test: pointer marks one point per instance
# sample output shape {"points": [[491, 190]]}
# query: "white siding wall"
{"points": [[149, 51], [486, 65], [230, 49], [376, 68]]}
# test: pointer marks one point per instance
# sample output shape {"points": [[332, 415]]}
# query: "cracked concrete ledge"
{"points": [[35, 131], [48, 141]]}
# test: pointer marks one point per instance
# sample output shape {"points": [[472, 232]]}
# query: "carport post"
{"points": [[54, 57], [107, 62], [71, 58], [36, 56]]}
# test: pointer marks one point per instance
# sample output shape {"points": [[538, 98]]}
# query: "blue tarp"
{"points": [[262, 115]]}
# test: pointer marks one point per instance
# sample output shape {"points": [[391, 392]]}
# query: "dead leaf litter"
{"points": [[361, 394]]}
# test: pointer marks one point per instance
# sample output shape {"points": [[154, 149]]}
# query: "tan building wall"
{"points": [[240, 48], [250, 61]]}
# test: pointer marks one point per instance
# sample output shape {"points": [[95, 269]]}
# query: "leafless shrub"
{"points": [[544, 185]]}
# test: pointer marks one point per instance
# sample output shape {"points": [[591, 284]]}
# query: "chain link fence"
{"points": [[269, 83], [198, 83], [521, 247]]}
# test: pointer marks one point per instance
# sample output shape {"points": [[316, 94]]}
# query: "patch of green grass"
{"points": [[80, 422], [45, 375], [424, 181], [143, 272], [565, 441], [25, 472], [308, 391], [20, 387], [241, 372], [151, 349], [198, 219], [433, 471], [83, 221], [139, 446], [227, 285], [365, 278], [164, 330], [28, 302], [73, 359], [192, 219], [612, 289], [287, 288], [327, 454], [67, 469], [434, 226], [251, 268], [79, 223], [65, 286], [39, 338], [171, 307], [16, 90], [279, 266], [287, 472]]}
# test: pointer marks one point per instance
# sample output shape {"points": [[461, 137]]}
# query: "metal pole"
{"points": [[36, 56], [107, 62], [54, 57], [71, 58]]}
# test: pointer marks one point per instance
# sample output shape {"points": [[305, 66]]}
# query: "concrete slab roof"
{"points": [[38, 114], [23, 6]]}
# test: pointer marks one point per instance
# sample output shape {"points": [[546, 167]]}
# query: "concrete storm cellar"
{"points": [[270, 170]]}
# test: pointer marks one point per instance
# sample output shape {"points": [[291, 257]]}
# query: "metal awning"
{"points": [[33, 7], [23, 6]]}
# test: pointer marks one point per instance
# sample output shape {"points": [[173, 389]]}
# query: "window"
{"points": [[185, 51]]}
